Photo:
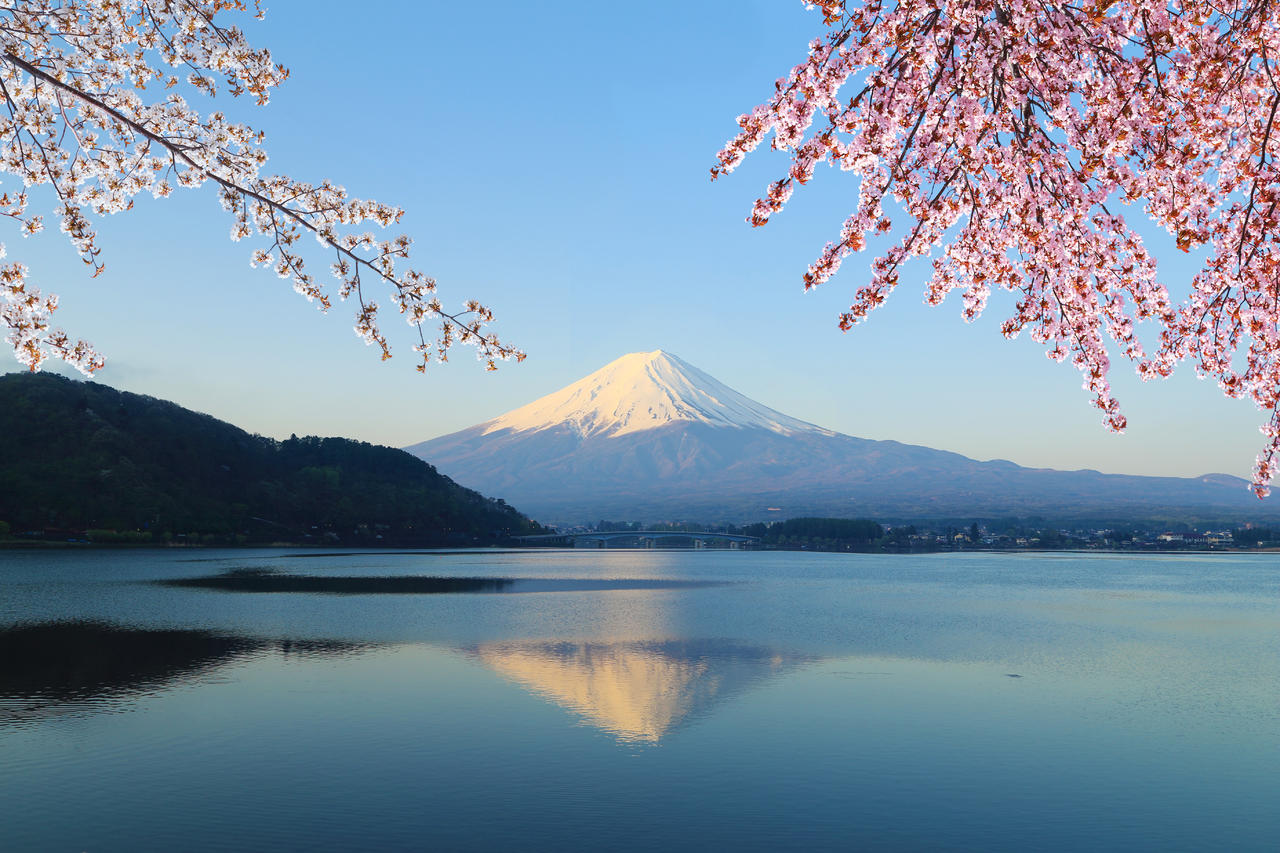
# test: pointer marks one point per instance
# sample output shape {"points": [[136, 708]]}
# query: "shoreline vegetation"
{"points": [[1006, 534], [828, 535]]}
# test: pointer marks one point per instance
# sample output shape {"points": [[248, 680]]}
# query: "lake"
{"points": [[638, 700]]}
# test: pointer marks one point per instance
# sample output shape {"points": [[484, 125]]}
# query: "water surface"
{"points": [[638, 700]]}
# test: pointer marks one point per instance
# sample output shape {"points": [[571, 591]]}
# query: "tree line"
{"points": [[81, 457]]}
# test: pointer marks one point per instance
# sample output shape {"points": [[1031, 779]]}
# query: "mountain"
{"points": [[641, 392], [650, 437], [80, 456]]}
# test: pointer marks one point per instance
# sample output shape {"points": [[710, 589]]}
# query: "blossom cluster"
{"points": [[1009, 131], [72, 117]]}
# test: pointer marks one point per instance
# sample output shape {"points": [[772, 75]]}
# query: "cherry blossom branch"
{"points": [[1018, 121], [75, 124]]}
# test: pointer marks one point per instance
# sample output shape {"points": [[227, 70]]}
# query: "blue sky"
{"points": [[553, 162]]}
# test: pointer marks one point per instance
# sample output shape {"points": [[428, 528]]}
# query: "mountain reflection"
{"points": [[636, 691], [50, 668]]}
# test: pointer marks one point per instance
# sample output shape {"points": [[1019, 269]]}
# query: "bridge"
{"points": [[647, 538]]}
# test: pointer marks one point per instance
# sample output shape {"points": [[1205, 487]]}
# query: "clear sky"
{"points": [[553, 161]]}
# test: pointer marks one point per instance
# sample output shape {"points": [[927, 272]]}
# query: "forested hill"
{"points": [[78, 456]]}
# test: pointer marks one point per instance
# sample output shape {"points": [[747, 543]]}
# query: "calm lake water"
{"points": [[638, 700]]}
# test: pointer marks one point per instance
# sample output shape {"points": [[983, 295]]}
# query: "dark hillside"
{"points": [[80, 456]]}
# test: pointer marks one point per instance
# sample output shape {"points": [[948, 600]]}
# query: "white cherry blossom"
{"points": [[76, 128]]}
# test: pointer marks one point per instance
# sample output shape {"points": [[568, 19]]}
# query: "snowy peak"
{"points": [[652, 438], [642, 391]]}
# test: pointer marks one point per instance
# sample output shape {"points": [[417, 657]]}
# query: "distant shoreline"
{"points": [[330, 550]]}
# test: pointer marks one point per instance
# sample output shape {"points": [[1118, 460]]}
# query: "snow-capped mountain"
{"points": [[643, 391], [649, 437]]}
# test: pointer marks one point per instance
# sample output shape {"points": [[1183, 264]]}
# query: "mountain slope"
{"points": [[649, 437], [78, 455]]}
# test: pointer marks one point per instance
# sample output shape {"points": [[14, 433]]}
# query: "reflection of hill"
{"points": [[53, 667], [637, 691], [268, 580]]}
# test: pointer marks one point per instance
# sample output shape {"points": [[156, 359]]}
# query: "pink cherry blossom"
{"points": [[1012, 132]]}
